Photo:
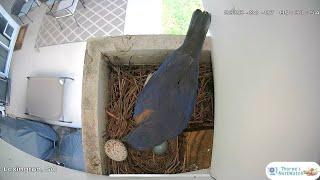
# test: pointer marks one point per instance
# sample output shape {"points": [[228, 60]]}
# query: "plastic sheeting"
{"points": [[38, 139], [71, 151], [34, 138]]}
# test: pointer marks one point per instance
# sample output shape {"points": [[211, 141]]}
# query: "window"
{"points": [[3, 58], [5, 34], [8, 33]]}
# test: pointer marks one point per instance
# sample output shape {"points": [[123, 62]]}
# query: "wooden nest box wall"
{"points": [[139, 55]]}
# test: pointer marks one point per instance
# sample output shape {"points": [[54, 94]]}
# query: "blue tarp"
{"points": [[34, 138], [70, 151], [38, 139]]}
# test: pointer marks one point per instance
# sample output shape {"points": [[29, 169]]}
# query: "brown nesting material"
{"points": [[125, 83]]}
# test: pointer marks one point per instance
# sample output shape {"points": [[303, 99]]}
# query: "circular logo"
{"points": [[271, 170]]}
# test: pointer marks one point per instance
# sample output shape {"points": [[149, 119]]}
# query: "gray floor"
{"points": [[66, 59], [50, 61], [99, 18]]}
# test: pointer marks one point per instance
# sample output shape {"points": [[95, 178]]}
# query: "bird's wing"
{"points": [[170, 82], [169, 119]]}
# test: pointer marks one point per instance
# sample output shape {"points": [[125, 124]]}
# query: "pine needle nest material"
{"points": [[125, 83]]}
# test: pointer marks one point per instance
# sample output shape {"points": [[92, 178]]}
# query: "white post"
{"points": [[267, 86]]}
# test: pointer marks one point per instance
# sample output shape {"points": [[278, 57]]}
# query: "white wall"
{"points": [[267, 87]]}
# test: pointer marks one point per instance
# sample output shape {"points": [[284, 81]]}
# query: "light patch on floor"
{"points": [[59, 60], [143, 17]]}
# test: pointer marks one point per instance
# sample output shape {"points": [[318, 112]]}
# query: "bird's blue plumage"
{"points": [[165, 105]]}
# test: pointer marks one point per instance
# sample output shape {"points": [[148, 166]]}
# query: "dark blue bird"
{"points": [[165, 105]]}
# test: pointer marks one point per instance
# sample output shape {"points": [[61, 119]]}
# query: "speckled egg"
{"points": [[116, 150]]}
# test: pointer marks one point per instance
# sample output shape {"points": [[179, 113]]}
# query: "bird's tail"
{"points": [[197, 32]]}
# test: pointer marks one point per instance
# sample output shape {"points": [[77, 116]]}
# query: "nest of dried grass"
{"points": [[125, 83]]}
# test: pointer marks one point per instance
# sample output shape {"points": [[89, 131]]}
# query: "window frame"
{"points": [[16, 28]]}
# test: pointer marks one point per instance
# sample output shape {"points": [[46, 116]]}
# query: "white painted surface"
{"points": [[61, 60], [143, 17], [13, 157], [266, 72]]}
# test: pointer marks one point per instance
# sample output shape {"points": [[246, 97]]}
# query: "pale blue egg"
{"points": [[161, 149]]}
